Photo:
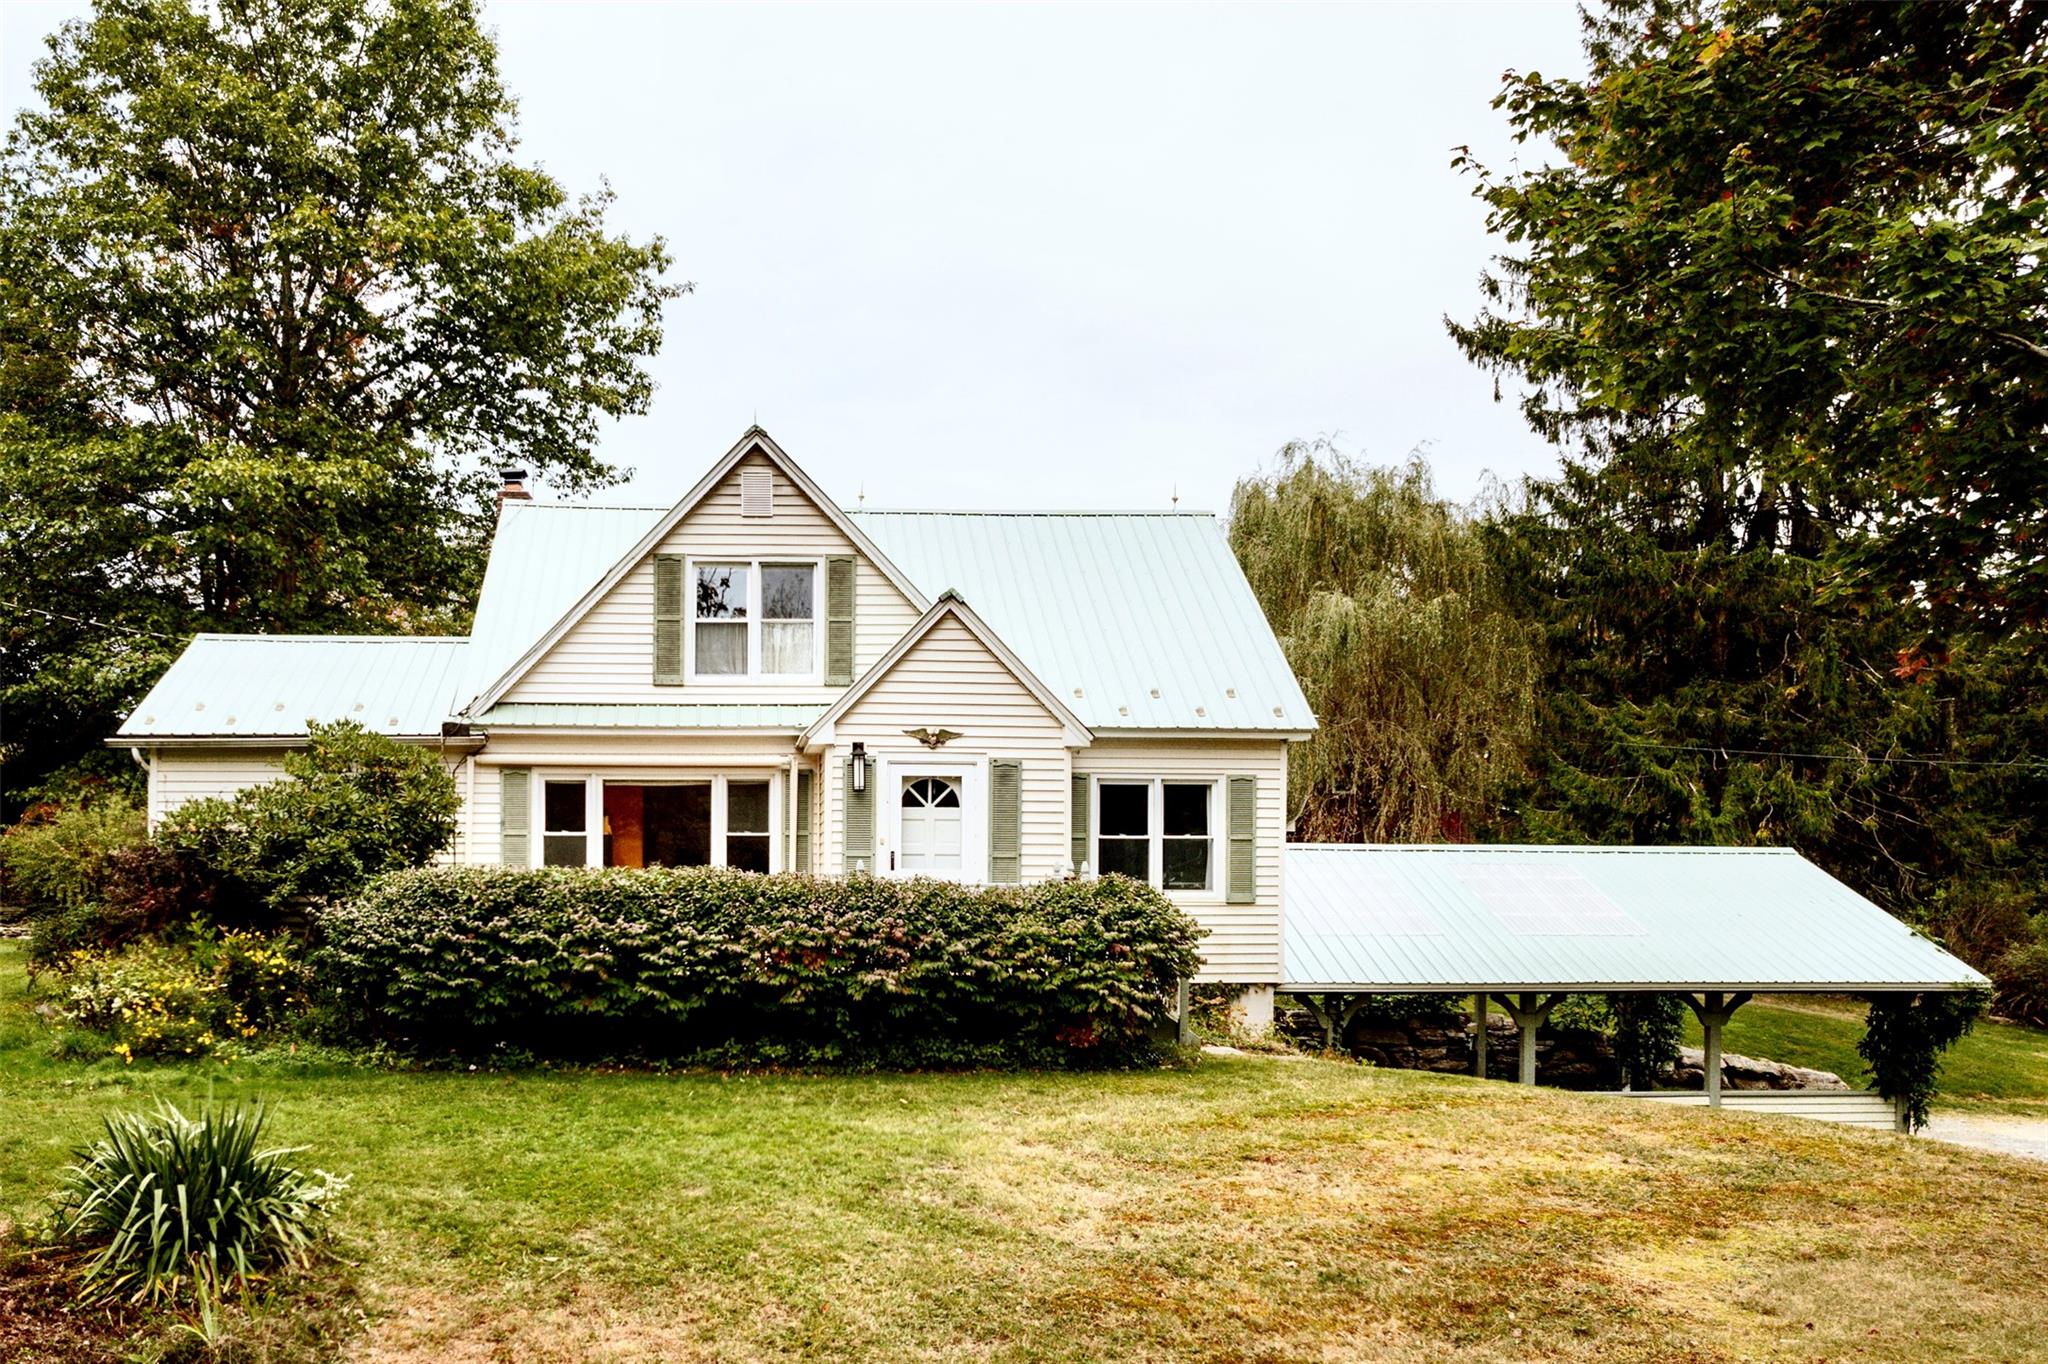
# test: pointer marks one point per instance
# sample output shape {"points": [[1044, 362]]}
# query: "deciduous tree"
{"points": [[278, 298]]}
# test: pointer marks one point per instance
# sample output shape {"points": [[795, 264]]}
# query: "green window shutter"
{"points": [[668, 620], [839, 584], [1241, 885], [802, 860], [1005, 821], [860, 821], [1079, 823], [515, 802]]}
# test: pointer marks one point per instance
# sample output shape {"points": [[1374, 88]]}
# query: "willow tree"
{"points": [[1389, 607]]}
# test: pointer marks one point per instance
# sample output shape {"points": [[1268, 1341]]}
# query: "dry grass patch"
{"points": [[1243, 1210]]}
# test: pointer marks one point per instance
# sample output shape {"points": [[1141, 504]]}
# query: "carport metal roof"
{"points": [[1371, 918]]}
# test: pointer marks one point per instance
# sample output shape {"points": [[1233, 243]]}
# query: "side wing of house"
{"points": [[180, 775]]}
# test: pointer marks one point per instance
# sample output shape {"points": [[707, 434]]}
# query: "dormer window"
{"points": [[722, 619], [755, 619]]}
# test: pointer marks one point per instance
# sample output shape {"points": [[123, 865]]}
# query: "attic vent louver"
{"points": [[757, 493]]}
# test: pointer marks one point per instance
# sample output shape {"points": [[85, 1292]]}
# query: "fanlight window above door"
{"points": [[931, 793]]}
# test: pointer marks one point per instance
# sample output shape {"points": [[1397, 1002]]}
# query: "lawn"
{"points": [[1998, 1068], [1240, 1209]]}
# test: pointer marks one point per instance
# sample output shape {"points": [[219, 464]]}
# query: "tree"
{"points": [[277, 301], [1390, 612], [1756, 630], [1797, 246]]}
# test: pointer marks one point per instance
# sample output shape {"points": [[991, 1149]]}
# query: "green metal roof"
{"points": [[551, 715], [1138, 620], [1458, 918], [1135, 620], [544, 557], [265, 686]]}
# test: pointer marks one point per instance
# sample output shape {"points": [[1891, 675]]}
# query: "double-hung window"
{"points": [[1161, 832], [565, 823], [755, 619]]}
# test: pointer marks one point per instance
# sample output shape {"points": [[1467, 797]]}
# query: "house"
{"points": [[757, 677]]}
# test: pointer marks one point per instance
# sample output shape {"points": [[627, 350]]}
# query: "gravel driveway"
{"points": [[2010, 1136]]}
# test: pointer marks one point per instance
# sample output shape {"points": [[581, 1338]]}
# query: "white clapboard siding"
{"points": [[1244, 940], [1853, 1107], [608, 656], [178, 775], [949, 680]]}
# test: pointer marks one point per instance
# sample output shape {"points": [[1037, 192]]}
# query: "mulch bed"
{"points": [[40, 1323]]}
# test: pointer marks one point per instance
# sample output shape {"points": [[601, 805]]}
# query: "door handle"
{"points": [[892, 859]]}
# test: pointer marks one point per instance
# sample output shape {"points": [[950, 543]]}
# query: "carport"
{"points": [[1526, 925]]}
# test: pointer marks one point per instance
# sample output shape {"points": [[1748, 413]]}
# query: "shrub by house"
{"points": [[715, 966]]}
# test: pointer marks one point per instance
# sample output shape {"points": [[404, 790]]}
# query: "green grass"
{"points": [[1998, 1068], [1241, 1209]]}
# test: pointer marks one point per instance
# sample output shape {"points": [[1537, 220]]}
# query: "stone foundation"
{"points": [[1569, 1058]]}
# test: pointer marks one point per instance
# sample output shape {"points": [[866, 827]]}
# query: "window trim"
{"points": [[593, 806], [1155, 829], [754, 565]]}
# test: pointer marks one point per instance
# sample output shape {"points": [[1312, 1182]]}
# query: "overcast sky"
{"points": [[1034, 256]]}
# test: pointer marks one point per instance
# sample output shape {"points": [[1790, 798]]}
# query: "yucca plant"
{"points": [[174, 1202]]}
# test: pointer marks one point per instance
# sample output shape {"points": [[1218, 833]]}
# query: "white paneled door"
{"points": [[932, 832]]}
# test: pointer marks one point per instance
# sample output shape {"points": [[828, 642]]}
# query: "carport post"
{"points": [[1529, 1012], [1479, 1035], [1714, 1012]]}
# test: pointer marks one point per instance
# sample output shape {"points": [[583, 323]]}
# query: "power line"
{"points": [[1834, 757], [97, 624]]}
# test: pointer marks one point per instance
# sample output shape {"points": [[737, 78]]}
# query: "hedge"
{"points": [[722, 967]]}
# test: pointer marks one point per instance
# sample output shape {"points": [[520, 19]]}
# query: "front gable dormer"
{"points": [[753, 589]]}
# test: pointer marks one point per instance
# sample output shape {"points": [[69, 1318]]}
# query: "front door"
{"points": [[931, 826]]}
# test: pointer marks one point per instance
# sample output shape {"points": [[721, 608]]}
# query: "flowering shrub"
{"points": [[189, 999], [720, 966]]}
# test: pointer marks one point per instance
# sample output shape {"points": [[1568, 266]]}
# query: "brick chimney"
{"points": [[514, 487]]}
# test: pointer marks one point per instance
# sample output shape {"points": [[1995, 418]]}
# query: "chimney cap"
{"points": [[512, 487]]}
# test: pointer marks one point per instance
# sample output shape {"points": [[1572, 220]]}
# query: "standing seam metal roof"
{"points": [[1137, 620], [1116, 604], [1457, 918], [268, 686], [570, 715], [544, 557]]}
